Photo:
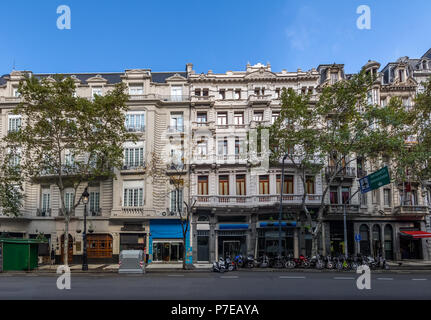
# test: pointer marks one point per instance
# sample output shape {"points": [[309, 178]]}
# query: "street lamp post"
{"points": [[280, 215], [345, 221], [85, 197]]}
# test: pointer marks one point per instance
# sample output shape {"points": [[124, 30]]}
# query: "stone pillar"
{"points": [[382, 236], [296, 242], [370, 230], [252, 235], [355, 244], [212, 238]]}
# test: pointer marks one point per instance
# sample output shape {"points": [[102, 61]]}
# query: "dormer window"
{"points": [[96, 91], [424, 65], [136, 90], [222, 94], [334, 77], [401, 75], [16, 94]]}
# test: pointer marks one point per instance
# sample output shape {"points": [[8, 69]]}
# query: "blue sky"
{"points": [[218, 35]]}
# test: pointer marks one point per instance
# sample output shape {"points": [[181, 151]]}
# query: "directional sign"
{"points": [[358, 237], [375, 180]]}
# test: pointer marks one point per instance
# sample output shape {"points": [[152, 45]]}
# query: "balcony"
{"points": [[175, 129], [69, 212], [203, 126], [133, 168], [164, 98], [202, 100], [136, 129], [43, 212], [345, 172], [254, 200], [176, 168], [254, 99], [95, 212], [134, 212], [411, 210], [339, 208]]}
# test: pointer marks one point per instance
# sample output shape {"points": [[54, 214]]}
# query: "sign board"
{"points": [[375, 180], [358, 237]]}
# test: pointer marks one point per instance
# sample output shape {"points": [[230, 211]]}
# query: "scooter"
{"points": [[231, 265], [250, 262], [263, 262], [219, 266], [239, 260]]}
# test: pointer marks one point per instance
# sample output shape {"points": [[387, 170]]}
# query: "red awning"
{"points": [[416, 234]]}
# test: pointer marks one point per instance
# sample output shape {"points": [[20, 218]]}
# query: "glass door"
{"points": [[231, 248]]}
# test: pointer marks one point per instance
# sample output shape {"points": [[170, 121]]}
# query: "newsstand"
{"points": [[19, 254]]}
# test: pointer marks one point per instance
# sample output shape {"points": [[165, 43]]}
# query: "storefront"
{"points": [[411, 243], [99, 247], [232, 240], [268, 238], [166, 241]]}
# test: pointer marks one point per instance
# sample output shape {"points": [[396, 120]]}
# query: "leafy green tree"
{"points": [[339, 127], [67, 139]]}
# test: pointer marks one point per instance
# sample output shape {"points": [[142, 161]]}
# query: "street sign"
{"points": [[375, 180], [358, 237]]}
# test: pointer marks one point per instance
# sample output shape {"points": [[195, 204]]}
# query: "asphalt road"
{"points": [[215, 286]]}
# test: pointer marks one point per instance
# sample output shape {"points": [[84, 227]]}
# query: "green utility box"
{"points": [[19, 254]]}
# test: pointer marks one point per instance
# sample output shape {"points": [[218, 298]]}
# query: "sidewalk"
{"points": [[406, 265]]}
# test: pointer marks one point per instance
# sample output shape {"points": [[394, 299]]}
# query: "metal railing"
{"points": [[410, 209], [344, 171], [255, 200], [134, 166], [135, 129], [43, 212]]}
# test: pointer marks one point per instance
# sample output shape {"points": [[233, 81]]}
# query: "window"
{"points": [[240, 185], [223, 188], [201, 117], [46, 199], [205, 92], [345, 194], [222, 94], [222, 147], [133, 197], [334, 77], [14, 123], [96, 91], [69, 158], [136, 90], [238, 147], [135, 122], [274, 116], [238, 94], [424, 65], [239, 118], [202, 147], [68, 200], [198, 92], [15, 93], [387, 197], [222, 118], [257, 91], [134, 157], [288, 185], [94, 202], [177, 93], [333, 194], [15, 157], [177, 200], [258, 116], [309, 182], [364, 199], [264, 184], [203, 185], [401, 75], [177, 122], [277, 93]]}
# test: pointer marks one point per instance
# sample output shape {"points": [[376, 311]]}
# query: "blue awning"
{"points": [[233, 226], [275, 224]]}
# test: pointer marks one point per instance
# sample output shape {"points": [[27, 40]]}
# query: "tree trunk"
{"points": [[66, 239]]}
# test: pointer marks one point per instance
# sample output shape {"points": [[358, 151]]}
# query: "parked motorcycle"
{"points": [[231, 265], [263, 262], [220, 265], [250, 262], [239, 260]]}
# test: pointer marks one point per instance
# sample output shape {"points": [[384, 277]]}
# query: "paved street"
{"points": [[214, 286]]}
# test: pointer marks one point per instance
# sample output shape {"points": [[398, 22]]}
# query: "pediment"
{"points": [[176, 77], [97, 78], [260, 74]]}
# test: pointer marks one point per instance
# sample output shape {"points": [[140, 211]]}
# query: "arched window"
{"points": [[364, 244], [389, 252]]}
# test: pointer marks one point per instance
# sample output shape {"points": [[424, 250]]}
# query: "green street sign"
{"points": [[375, 180]]}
